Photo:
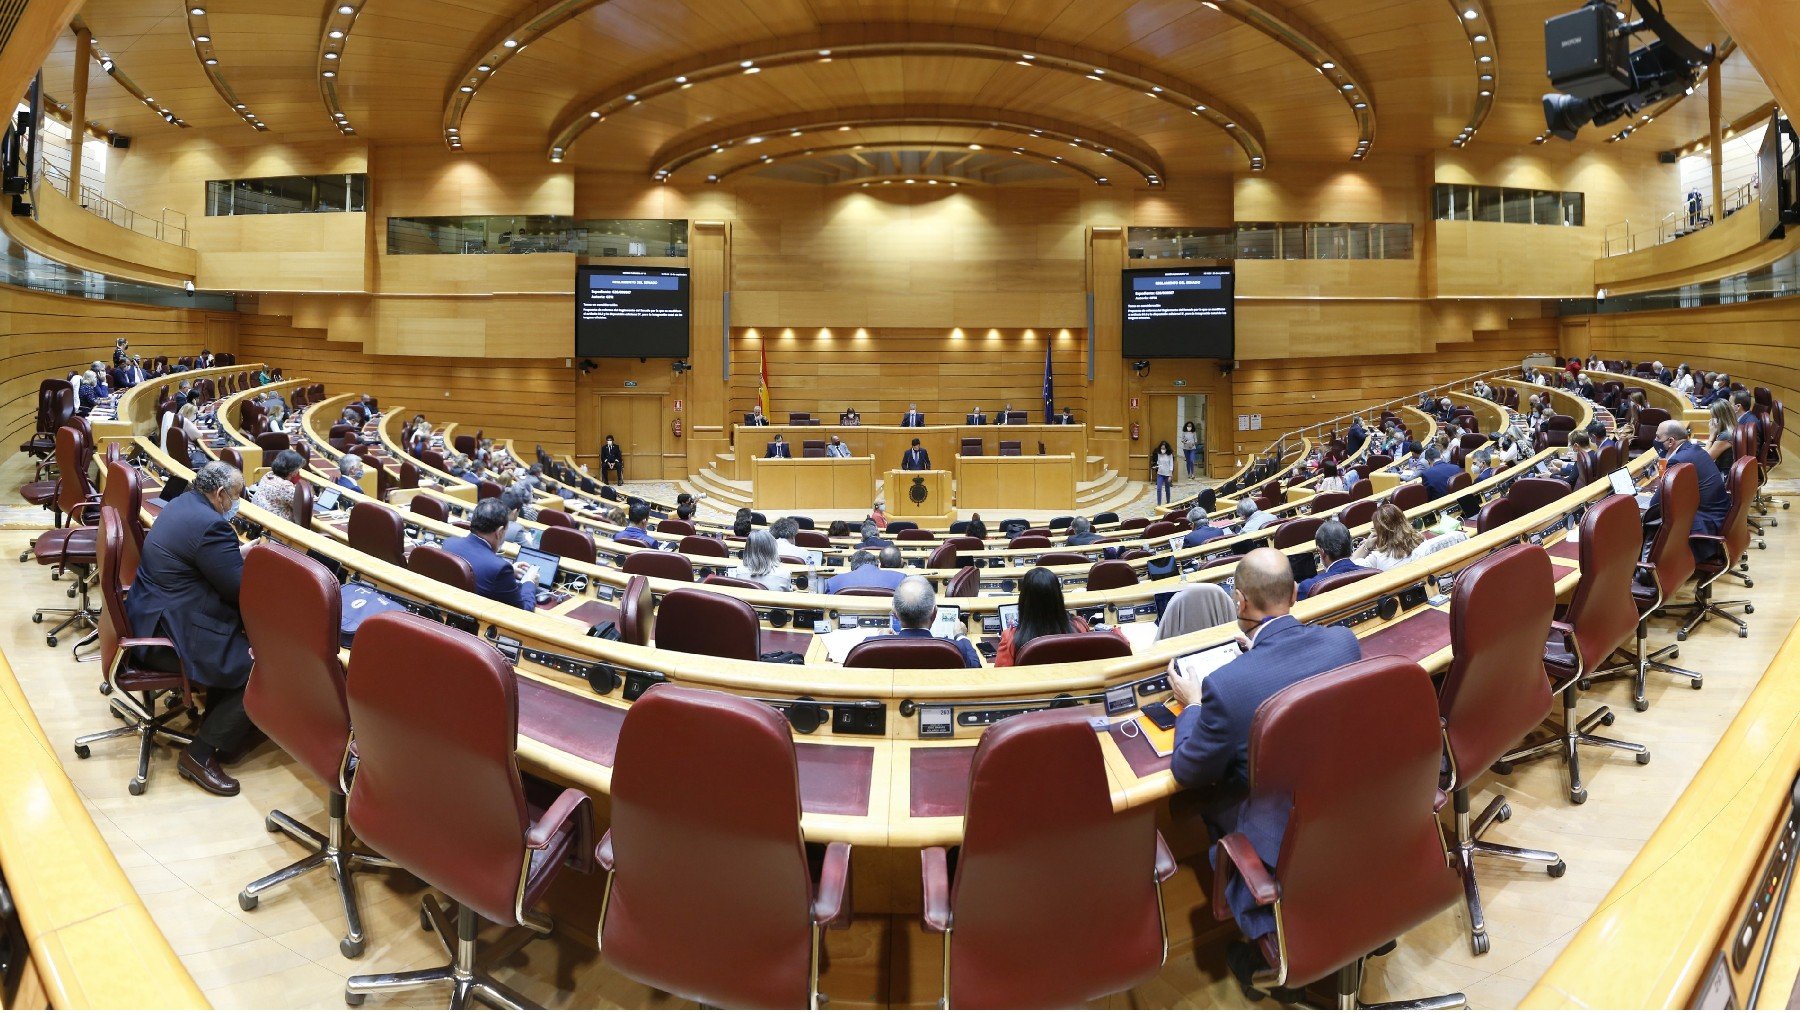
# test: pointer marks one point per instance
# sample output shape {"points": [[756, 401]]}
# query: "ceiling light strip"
{"points": [[1477, 24], [63, 112], [1344, 79], [334, 40], [487, 60], [110, 67], [760, 161], [206, 51]]}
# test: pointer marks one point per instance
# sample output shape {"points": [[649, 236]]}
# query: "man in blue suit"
{"points": [[1357, 435], [1212, 735], [869, 570], [913, 418], [186, 589], [1746, 408], [1335, 546], [1715, 499], [916, 458], [1437, 473], [496, 576], [778, 448], [1202, 529]]}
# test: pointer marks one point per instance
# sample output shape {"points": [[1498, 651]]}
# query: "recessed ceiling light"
{"points": [[912, 181], [1486, 59], [511, 43], [844, 127], [824, 52], [346, 9], [631, 98], [329, 73], [752, 70], [240, 105], [1487, 77], [974, 147], [331, 56], [1349, 87], [682, 79], [484, 68], [595, 114], [1028, 56], [795, 133], [212, 61], [754, 140], [933, 182], [1362, 105], [1199, 109], [1485, 93], [1327, 65], [748, 63], [1097, 70], [335, 33], [1230, 126], [465, 89], [197, 11], [202, 38], [712, 179], [1480, 38], [1471, 14]]}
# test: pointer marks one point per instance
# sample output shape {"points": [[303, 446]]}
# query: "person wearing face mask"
{"points": [[1212, 733], [612, 461], [1673, 445], [186, 590]]}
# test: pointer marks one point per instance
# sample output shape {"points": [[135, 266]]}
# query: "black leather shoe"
{"points": [[207, 774]]}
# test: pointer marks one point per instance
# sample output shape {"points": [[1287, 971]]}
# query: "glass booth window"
{"points": [[593, 237], [1466, 202], [287, 195]]}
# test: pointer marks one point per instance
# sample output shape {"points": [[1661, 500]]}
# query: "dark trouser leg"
{"points": [[225, 726]]}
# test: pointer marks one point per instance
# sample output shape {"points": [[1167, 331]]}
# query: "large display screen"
{"points": [[1178, 312], [631, 311]]}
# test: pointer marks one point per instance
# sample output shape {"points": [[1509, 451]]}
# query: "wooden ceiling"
{"points": [[670, 78]]}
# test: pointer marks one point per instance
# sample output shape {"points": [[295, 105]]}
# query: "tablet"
{"points": [[1622, 483], [1203, 663], [326, 500], [1009, 617], [945, 624], [546, 564]]}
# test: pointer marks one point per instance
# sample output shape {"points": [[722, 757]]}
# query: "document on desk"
{"points": [[839, 642]]}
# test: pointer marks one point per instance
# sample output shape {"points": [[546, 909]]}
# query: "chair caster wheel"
{"points": [[1680, 636], [248, 901], [1608, 718], [1697, 683], [1643, 757], [135, 787], [1674, 654], [1585, 684], [105, 688], [1641, 704], [1749, 583], [1742, 634], [1556, 871], [37, 617], [1749, 610], [350, 948], [51, 640], [1578, 796], [424, 919], [1504, 814], [1502, 767], [353, 999], [1479, 943], [82, 752]]}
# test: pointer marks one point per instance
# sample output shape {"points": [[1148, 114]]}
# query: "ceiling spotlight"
{"points": [[202, 38], [1349, 87], [1365, 105], [752, 70], [753, 140], [511, 43], [1199, 109], [1028, 56], [844, 127], [465, 89], [681, 79], [335, 33], [346, 9], [1480, 38], [212, 61], [712, 179], [974, 147], [1100, 180], [1156, 88], [1486, 93], [107, 65], [912, 181], [594, 115], [1097, 70], [1485, 59], [240, 105], [329, 73], [1487, 77], [824, 52], [198, 12], [484, 68], [933, 182], [1471, 14], [1230, 126], [1327, 65], [331, 56], [795, 133], [748, 63]]}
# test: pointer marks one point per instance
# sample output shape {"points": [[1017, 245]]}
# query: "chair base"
{"points": [[329, 851], [139, 718], [1575, 734], [1349, 995], [83, 617], [1704, 607], [1469, 844], [464, 974], [1639, 662]]}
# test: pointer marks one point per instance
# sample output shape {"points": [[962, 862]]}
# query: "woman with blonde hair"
{"points": [[1391, 541], [1721, 444], [760, 563]]}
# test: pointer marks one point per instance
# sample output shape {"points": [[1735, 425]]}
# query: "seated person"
{"points": [[1081, 532], [850, 417], [761, 563], [741, 523], [785, 529], [1715, 501], [1393, 540], [1721, 439], [639, 513], [496, 577], [1253, 517], [275, 492], [517, 500], [1065, 418], [1212, 734], [1484, 464], [838, 529], [1001, 417], [612, 460], [1580, 444], [1333, 541], [916, 458], [1437, 472], [350, 472], [685, 511], [1041, 614], [835, 447], [976, 417], [186, 589], [1203, 528], [913, 417], [756, 418], [1195, 608], [870, 570], [915, 607], [1329, 479], [778, 448], [878, 514]]}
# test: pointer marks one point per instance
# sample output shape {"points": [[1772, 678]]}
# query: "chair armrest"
{"points": [[934, 873], [831, 899], [1165, 860], [1717, 539], [604, 853], [1241, 858], [129, 643], [568, 806]]}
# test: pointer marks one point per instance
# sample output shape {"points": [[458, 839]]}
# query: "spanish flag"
{"points": [[763, 388]]}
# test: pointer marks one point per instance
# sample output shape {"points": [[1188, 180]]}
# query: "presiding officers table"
{"points": [[1025, 483], [823, 483], [888, 444]]}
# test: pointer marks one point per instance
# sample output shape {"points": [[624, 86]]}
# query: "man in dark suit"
{"points": [[1715, 501], [913, 418], [612, 459], [778, 448], [1333, 540], [1201, 529], [496, 576], [756, 418], [1437, 473], [1745, 403], [976, 417], [1581, 445], [186, 589], [1212, 735], [869, 570], [1357, 435], [915, 608], [1067, 418], [916, 458], [1001, 417]]}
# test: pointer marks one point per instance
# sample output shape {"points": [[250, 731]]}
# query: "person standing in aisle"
{"points": [[1163, 463], [1190, 446]]}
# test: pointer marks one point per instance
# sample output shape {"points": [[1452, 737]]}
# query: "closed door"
{"points": [[636, 421]]}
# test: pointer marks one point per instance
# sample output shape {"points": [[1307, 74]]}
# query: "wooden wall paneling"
{"points": [[326, 252], [705, 414], [1106, 248], [67, 234], [1732, 247], [170, 169]]}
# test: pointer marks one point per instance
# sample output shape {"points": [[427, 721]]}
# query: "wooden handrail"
{"points": [[91, 943]]}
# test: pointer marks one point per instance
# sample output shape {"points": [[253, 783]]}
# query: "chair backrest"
{"points": [[1413, 494], [1159, 529], [302, 505], [637, 611], [1029, 542], [893, 527], [1670, 551], [1337, 580], [1496, 691], [1360, 512], [1363, 489], [109, 548], [966, 583], [904, 652], [554, 518], [1326, 502], [705, 622], [435, 563], [1040, 810], [1010, 448], [1459, 481], [375, 529], [567, 543], [911, 535], [1066, 647], [1362, 859], [464, 443], [812, 539], [1652, 417], [1560, 423], [1063, 559], [717, 912], [1110, 573], [1494, 513], [657, 563], [971, 446], [429, 507], [296, 692], [436, 713], [232, 456], [73, 455], [125, 493], [1608, 459], [1534, 493], [1135, 523], [943, 557], [485, 489], [666, 526], [1741, 484], [702, 545], [434, 460], [725, 581], [1376, 462], [1297, 531]]}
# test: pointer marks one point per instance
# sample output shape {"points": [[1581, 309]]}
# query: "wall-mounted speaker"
{"points": [[121, 141]]}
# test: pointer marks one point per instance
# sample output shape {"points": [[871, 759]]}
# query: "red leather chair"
{"points": [[434, 563], [125, 493], [1600, 618], [1494, 513], [703, 545], [811, 540], [55, 406], [965, 583], [1337, 580], [1494, 695], [74, 549], [1326, 502], [409, 475], [1297, 532], [704, 622], [724, 912], [1362, 859], [657, 563], [637, 612], [430, 508], [1159, 529], [1108, 574], [913, 535], [146, 694], [485, 489], [272, 444], [666, 526], [1360, 513], [1726, 548], [904, 652], [1531, 494], [1029, 542], [438, 791], [554, 518], [1040, 811], [1363, 489], [304, 498], [234, 457], [296, 697], [1670, 564], [1408, 496], [1063, 559], [464, 444], [1060, 648], [1135, 523], [375, 529], [724, 581], [944, 557], [568, 543]]}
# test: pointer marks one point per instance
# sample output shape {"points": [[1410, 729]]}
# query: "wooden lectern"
{"points": [[922, 497]]}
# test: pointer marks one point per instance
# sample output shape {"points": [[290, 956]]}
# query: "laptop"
{"points": [[326, 500], [1622, 483], [546, 564]]}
